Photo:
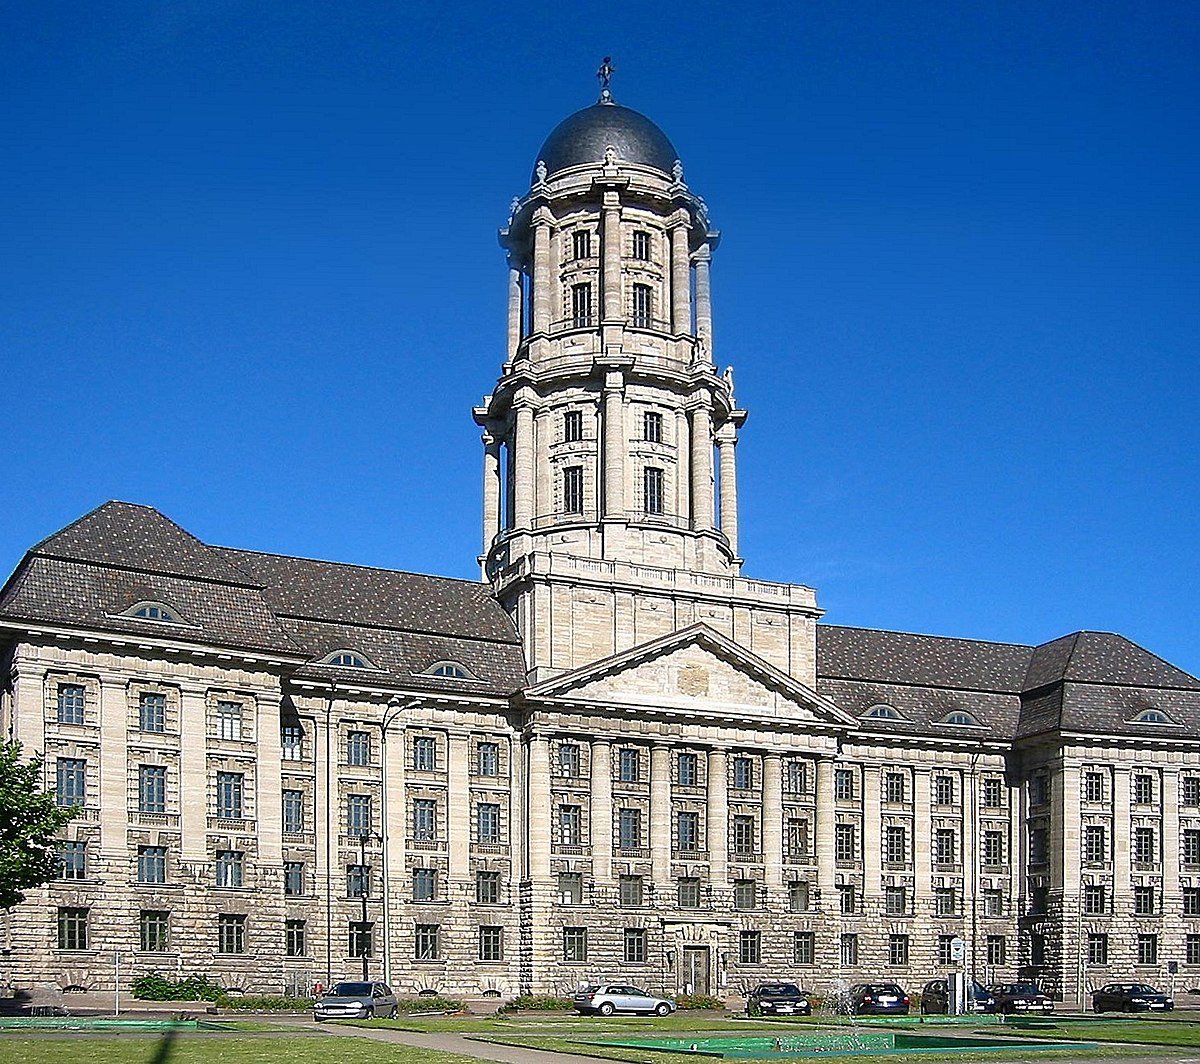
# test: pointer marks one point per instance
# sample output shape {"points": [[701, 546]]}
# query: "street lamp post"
{"points": [[364, 890], [390, 715]]}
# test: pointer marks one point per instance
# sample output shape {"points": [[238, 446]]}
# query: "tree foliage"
{"points": [[29, 820]]}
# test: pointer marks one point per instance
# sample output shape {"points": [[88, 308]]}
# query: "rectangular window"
{"points": [[743, 836], [798, 895], [570, 826], [847, 899], [1145, 848], [487, 888], [491, 943], [845, 842], [487, 821], [1095, 843], [425, 754], [155, 927], [641, 245], [570, 888], [426, 946], [573, 489], [894, 787], [629, 829], [1039, 840], [743, 773], [895, 844], [152, 712], [1193, 949], [895, 901], [652, 426], [849, 948], [945, 846], [1147, 949], [804, 947], [997, 950], [795, 779], [231, 933], [291, 741], [945, 901], [635, 945], [152, 864], [993, 792], [574, 940], [361, 938], [230, 795], [688, 770], [749, 947], [1143, 790], [993, 902], [943, 790], [581, 305], [1094, 902], [1189, 790], [745, 894], [572, 426], [1143, 901], [293, 811], [1189, 848], [488, 763], [629, 889], [293, 937], [568, 760], [688, 828], [581, 244], [358, 881], [945, 949], [293, 878], [1191, 901], [229, 720], [358, 815], [230, 868], [358, 748], [992, 851], [1037, 949], [653, 490], [69, 781], [72, 860], [643, 309], [629, 766], [1039, 899], [797, 837], [898, 951], [1039, 789], [688, 893], [70, 703], [1093, 787], [72, 928], [424, 819], [843, 784], [152, 789]]}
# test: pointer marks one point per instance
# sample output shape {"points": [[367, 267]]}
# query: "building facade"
{"points": [[615, 756]]}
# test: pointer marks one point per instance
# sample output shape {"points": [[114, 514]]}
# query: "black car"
{"points": [[1020, 997], [935, 997], [778, 999], [1130, 997], [879, 999]]}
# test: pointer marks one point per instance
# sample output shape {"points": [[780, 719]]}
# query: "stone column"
{"points": [[115, 769], [922, 842], [193, 775], [681, 277], [726, 444], [718, 819], [823, 835], [702, 467], [660, 814], [1170, 839], [542, 219], [543, 487], [538, 828], [1122, 837], [516, 308], [611, 256], [683, 466], [872, 850], [459, 812], [703, 257], [614, 444], [522, 453], [602, 811], [491, 489], [773, 819]]}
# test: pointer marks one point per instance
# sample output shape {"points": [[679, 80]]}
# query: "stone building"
{"points": [[615, 756]]}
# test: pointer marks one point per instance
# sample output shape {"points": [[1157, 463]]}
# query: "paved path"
{"points": [[463, 1045]]}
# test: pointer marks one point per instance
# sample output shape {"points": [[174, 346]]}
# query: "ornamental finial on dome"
{"points": [[604, 74]]}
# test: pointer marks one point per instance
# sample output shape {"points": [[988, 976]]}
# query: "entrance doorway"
{"points": [[695, 970]]}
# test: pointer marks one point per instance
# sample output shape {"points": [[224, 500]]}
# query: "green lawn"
{"points": [[1156, 1032], [551, 1022]]}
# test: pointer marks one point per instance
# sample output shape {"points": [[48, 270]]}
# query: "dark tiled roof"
{"points": [[922, 708]]}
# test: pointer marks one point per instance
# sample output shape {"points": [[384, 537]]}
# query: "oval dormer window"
{"points": [[347, 659], [1152, 716], [882, 711], [450, 670], [960, 719], [153, 611]]}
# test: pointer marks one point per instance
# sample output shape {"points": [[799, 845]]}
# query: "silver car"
{"points": [[607, 998], [356, 1001]]}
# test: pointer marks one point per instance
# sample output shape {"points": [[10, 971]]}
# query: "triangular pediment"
{"points": [[699, 671]]}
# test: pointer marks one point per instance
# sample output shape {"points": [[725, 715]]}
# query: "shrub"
{"points": [[698, 1001], [155, 987], [265, 1003], [429, 1004], [537, 1003]]}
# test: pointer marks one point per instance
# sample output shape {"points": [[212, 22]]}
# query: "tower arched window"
{"points": [[643, 305]]}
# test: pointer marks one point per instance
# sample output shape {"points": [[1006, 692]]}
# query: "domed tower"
{"points": [[600, 435]]}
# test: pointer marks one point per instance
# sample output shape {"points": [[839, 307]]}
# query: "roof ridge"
{"points": [[349, 565], [929, 635]]}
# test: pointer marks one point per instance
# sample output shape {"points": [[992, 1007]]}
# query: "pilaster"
{"points": [[660, 814], [718, 819], [773, 819], [602, 811]]}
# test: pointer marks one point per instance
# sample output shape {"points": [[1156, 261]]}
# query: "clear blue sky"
{"points": [[250, 277]]}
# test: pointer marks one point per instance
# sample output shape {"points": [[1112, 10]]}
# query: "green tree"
{"points": [[29, 820]]}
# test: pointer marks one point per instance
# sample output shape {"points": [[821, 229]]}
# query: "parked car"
{"points": [[1130, 997], [935, 997], [607, 998], [1021, 997], [778, 999], [879, 999], [356, 1001]]}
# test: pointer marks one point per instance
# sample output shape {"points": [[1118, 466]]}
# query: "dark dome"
{"points": [[582, 138]]}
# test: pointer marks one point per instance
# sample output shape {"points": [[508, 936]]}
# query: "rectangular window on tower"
{"points": [[652, 487], [581, 305], [572, 426], [581, 244], [643, 310], [573, 489], [652, 426], [641, 245]]}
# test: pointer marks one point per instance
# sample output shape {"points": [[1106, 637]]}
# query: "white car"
{"points": [[607, 998], [356, 1001]]}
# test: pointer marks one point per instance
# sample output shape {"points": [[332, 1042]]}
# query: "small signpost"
{"points": [[958, 953]]}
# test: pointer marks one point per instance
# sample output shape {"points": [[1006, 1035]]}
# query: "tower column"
{"points": [[681, 276], [726, 443], [523, 455], [683, 476], [614, 443], [516, 296], [611, 256], [491, 489], [702, 467], [541, 269], [704, 297]]}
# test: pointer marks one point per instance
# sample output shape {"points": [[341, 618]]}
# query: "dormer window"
{"points": [[153, 611], [450, 670], [960, 719], [882, 711], [1152, 716], [347, 659]]}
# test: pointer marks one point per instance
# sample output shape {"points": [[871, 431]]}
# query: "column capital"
{"points": [[681, 219], [611, 199], [703, 253], [727, 434], [542, 216]]}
